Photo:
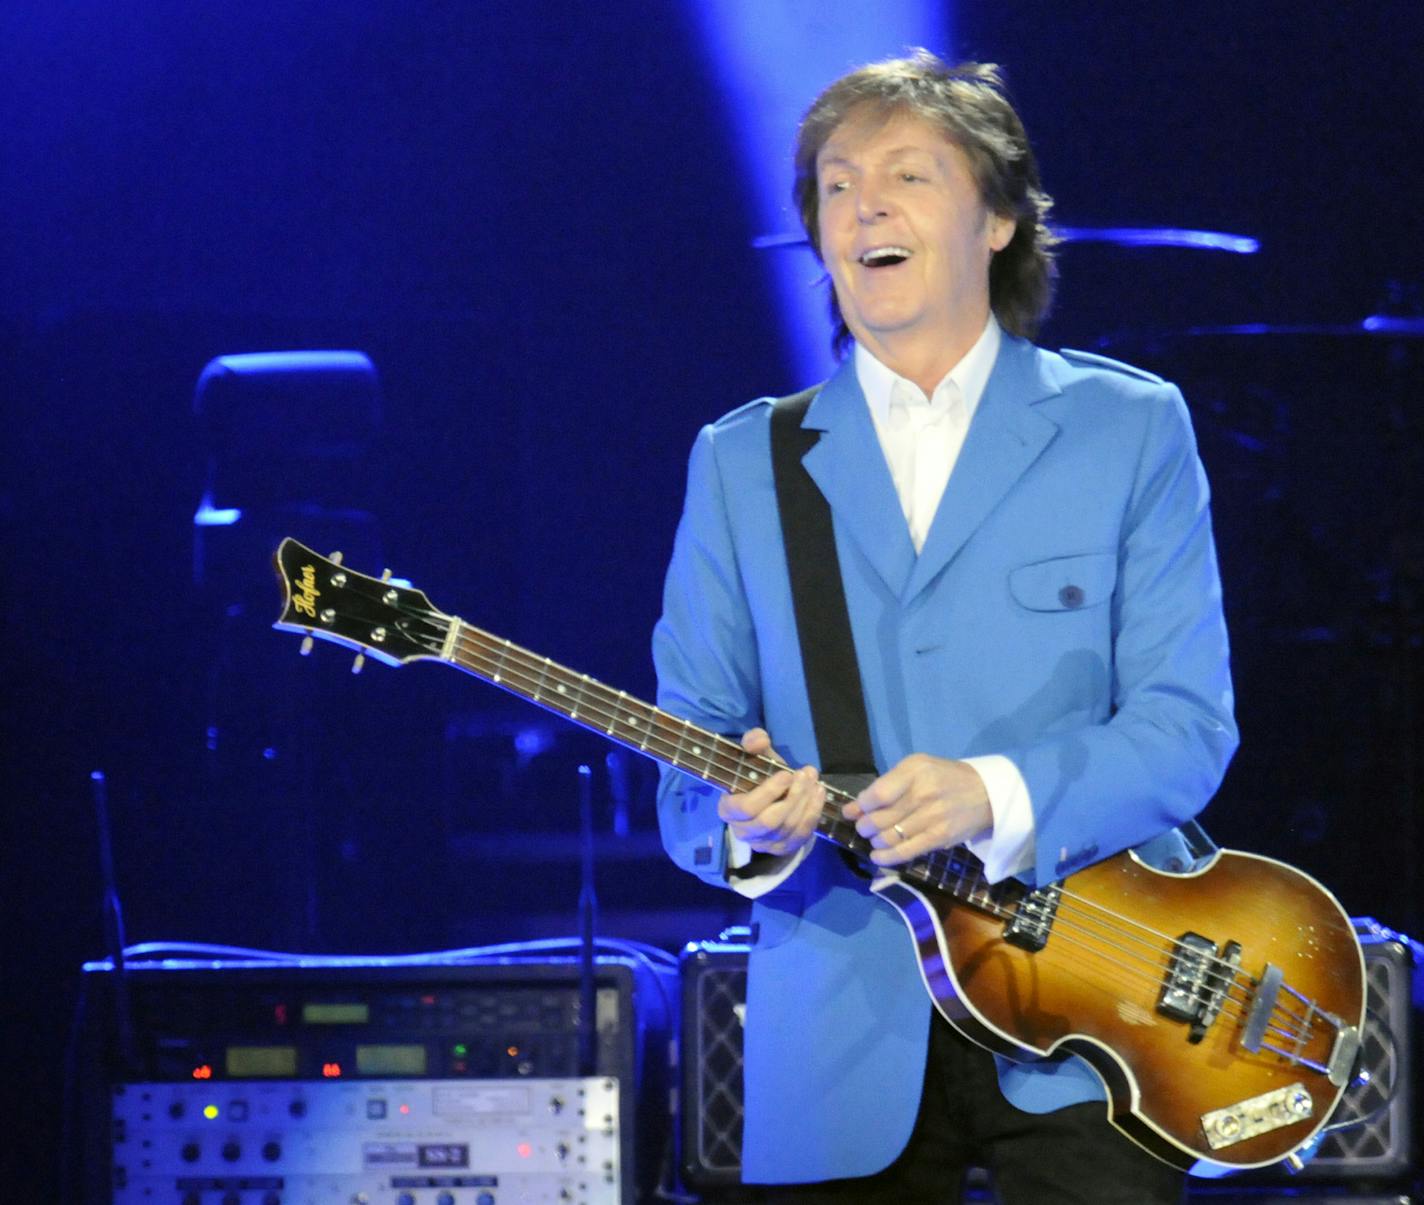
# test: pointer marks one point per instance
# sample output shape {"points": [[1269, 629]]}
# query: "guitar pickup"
{"points": [[1196, 982], [1032, 918]]}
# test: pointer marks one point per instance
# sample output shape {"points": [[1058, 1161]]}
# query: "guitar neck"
{"points": [[682, 745]]}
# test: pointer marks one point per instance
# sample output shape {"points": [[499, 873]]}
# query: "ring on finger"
{"points": [[899, 832]]}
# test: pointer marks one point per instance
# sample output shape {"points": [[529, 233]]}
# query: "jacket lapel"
{"points": [[849, 468], [1006, 436]]}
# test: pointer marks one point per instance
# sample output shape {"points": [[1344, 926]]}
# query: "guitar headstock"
{"points": [[325, 599]]}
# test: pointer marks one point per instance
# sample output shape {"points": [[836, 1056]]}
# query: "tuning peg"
{"points": [[335, 558], [307, 643], [358, 663], [385, 575]]}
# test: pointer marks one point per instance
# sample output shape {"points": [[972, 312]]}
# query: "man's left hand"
{"points": [[921, 804]]}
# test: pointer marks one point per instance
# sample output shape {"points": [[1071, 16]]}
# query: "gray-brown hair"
{"points": [[968, 105]]}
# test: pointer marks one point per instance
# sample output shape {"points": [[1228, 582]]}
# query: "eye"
{"points": [[911, 177], [831, 187]]}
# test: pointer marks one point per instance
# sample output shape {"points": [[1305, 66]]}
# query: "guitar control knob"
{"points": [[231, 1151], [190, 1152], [406, 1198], [445, 1198], [272, 1151]]}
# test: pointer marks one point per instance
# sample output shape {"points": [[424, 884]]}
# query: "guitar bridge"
{"points": [[1032, 920]]}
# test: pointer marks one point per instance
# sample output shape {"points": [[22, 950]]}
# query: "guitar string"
{"points": [[1080, 932], [1087, 916], [1153, 939], [1087, 941], [498, 653]]}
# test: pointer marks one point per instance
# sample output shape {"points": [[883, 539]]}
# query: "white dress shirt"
{"points": [[921, 438]]}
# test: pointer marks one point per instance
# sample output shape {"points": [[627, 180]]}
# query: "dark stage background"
{"points": [[537, 220]]}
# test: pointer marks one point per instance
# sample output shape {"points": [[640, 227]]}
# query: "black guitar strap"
{"points": [[818, 596], [822, 617]]}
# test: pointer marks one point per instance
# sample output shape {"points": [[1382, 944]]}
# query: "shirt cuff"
{"points": [[753, 874], [1007, 849]]}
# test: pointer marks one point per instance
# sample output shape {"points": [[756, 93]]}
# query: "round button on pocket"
{"points": [[1071, 596]]}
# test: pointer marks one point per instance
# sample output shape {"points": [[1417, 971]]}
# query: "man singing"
{"points": [[1025, 551]]}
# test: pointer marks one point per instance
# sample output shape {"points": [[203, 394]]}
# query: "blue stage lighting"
{"points": [[1160, 236], [772, 58]]}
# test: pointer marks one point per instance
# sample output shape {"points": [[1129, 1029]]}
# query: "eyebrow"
{"points": [[895, 153]]}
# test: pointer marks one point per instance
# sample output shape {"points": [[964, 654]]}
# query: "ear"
{"points": [[1001, 230]]}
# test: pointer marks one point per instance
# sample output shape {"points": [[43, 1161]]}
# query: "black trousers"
{"points": [[1072, 1156]]}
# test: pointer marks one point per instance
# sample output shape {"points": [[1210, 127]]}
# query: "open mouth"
{"points": [[885, 257]]}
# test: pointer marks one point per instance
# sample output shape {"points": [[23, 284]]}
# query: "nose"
{"points": [[870, 203]]}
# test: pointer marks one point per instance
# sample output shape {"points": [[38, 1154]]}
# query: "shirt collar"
{"points": [[968, 377]]}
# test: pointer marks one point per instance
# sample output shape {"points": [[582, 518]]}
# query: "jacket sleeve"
{"points": [[1163, 751], [704, 650]]}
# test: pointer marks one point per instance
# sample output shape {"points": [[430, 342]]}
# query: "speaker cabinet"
{"points": [[1379, 1150], [714, 994]]}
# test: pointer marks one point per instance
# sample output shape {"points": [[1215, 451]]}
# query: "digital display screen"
{"points": [[338, 1013], [261, 1062], [391, 1060], [446, 1154]]}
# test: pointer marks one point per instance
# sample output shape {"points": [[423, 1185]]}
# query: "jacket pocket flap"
{"points": [[1065, 583]]}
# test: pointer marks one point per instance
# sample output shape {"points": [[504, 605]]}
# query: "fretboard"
{"points": [[684, 746]]}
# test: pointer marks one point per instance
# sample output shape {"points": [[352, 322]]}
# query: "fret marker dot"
{"points": [[632, 723], [697, 750], [751, 778], [563, 690]]}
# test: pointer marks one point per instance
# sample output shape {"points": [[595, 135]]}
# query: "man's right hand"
{"points": [[779, 816]]}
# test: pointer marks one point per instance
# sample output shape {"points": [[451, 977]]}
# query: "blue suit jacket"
{"points": [[1114, 699]]}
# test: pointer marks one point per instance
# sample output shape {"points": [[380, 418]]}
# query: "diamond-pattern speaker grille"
{"points": [[1381, 1145], [720, 999]]}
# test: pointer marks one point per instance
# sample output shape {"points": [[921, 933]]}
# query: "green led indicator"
{"points": [[461, 1050]]}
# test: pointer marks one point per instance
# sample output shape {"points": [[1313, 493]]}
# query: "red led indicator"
{"points": [[203, 1071], [279, 1014], [405, 1109], [427, 999], [513, 1052], [525, 1150], [331, 1070]]}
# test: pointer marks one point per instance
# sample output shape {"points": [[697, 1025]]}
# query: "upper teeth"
{"points": [[879, 253]]}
